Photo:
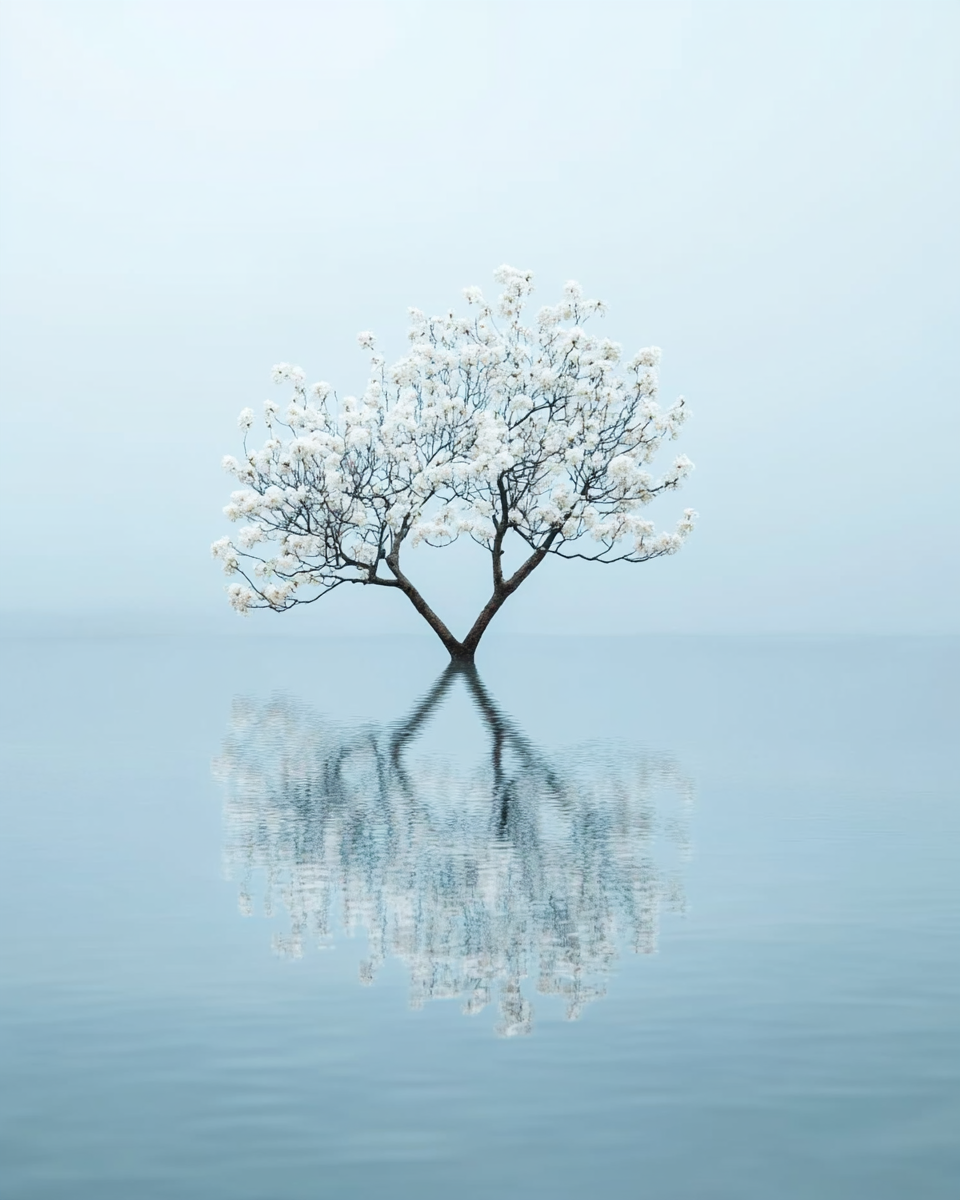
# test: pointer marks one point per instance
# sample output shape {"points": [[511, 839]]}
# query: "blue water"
{"points": [[653, 917]]}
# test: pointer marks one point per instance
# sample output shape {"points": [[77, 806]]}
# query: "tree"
{"points": [[486, 428]]}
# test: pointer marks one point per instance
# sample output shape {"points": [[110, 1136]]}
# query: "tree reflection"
{"points": [[530, 865]]}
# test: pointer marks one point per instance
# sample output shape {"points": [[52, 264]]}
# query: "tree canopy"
{"points": [[488, 427]]}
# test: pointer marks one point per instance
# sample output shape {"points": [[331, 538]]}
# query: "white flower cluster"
{"points": [[486, 427]]}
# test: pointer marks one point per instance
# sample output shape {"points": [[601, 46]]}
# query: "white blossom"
{"points": [[284, 371], [483, 429], [648, 357], [241, 598], [224, 550]]}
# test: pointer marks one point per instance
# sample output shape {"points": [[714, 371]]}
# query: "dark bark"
{"points": [[503, 589], [453, 647]]}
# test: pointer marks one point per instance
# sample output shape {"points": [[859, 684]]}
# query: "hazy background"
{"points": [[193, 192]]}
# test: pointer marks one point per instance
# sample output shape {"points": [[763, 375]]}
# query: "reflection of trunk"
{"points": [[503, 733]]}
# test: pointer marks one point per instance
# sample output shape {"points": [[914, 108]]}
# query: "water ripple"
{"points": [[526, 865]]}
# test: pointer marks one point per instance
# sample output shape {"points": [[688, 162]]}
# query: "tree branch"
{"points": [[453, 647], [502, 593]]}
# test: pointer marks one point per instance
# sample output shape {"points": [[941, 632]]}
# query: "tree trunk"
{"points": [[463, 652], [453, 647], [501, 593]]}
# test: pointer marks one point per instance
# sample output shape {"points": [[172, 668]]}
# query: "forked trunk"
{"points": [[463, 652]]}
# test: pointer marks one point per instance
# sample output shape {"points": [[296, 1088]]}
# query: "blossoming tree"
{"points": [[489, 428]]}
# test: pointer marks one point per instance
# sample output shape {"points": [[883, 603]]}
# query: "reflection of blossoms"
{"points": [[526, 867]]}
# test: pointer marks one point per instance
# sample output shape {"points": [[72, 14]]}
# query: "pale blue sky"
{"points": [[192, 192]]}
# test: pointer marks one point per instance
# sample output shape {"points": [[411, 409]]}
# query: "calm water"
{"points": [[300, 918]]}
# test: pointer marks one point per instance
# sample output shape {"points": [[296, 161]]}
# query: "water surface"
{"points": [[298, 917]]}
